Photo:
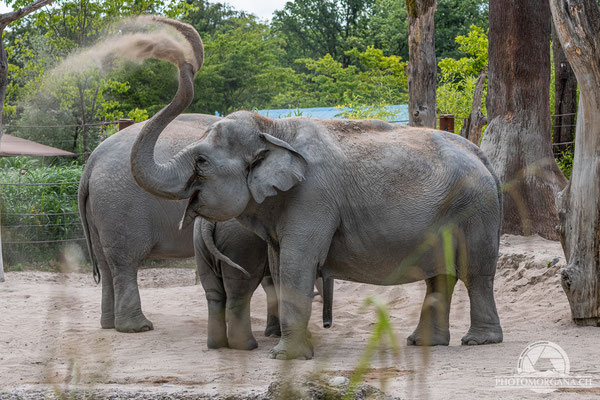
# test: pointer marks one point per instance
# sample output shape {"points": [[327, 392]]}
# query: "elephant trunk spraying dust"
{"points": [[124, 225]]}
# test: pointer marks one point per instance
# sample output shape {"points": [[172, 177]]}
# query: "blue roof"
{"points": [[401, 112]]}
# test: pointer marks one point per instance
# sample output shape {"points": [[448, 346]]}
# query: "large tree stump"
{"points": [[577, 24], [518, 137], [421, 70]]}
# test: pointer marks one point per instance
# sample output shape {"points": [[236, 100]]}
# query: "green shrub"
{"points": [[31, 212]]}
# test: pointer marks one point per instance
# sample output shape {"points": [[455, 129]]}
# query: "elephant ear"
{"points": [[279, 166]]}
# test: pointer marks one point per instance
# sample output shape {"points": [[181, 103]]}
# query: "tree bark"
{"points": [[577, 25], [518, 137], [475, 122], [565, 96], [5, 20], [422, 68]]}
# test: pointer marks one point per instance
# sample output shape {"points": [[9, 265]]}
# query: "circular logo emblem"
{"points": [[543, 360]]}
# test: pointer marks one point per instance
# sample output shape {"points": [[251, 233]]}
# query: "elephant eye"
{"points": [[200, 160]]}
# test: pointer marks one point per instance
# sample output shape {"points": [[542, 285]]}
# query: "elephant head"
{"points": [[236, 161]]}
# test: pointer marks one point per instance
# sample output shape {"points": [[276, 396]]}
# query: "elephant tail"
{"points": [[82, 197], [207, 229]]}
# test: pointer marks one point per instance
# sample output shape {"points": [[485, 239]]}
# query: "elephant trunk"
{"points": [[207, 229], [168, 180]]}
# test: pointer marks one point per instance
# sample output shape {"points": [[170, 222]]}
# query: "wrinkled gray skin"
{"points": [[125, 225], [364, 201], [228, 291]]}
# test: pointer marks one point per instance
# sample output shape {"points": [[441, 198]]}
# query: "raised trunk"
{"points": [[565, 96], [168, 180], [577, 25], [518, 137], [421, 70]]}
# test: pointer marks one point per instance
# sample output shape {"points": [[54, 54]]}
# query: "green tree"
{"points": [[371, 79], [313, 28], [241, 69]]}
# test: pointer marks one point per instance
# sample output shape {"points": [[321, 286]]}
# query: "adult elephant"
{"points": [[365, 201], [124, 225]]}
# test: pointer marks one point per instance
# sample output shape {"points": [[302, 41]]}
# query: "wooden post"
{"points": [[124, 123], [1, 262], [447, 122]]}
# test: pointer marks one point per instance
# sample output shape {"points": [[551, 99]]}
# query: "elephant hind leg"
{"points": [[107, 318], [123, 267], [273, 327], [239, 326], [433, 328], [485, 324]]}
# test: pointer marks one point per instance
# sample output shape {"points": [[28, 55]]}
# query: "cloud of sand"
{"points": [[153, 40]]}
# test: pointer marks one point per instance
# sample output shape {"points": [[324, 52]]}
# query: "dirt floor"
{"points": [[51, 341]]}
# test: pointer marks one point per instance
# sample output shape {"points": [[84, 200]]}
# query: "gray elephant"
{"points": [[124, 225], [220, 248], [359, 200]]}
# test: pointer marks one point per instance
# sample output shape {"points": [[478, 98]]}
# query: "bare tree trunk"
{"points": [[475, 122], [518, 137], [577, 24], [565, 96], [5, 20], [3, 77], [422, 68]]}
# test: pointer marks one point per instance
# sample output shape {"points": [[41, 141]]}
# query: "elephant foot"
{"points": [[245, 344], [477, 336], [273, 327], [107, 321], [420, 338], [293, 350], [216, 343], [132, 325]]}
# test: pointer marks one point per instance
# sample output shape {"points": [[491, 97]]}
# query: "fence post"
{"points": [[124, 123], [447, 122], [1, 262]]}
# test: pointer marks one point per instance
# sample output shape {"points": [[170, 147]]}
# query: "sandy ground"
{"points": [[50, 336]]}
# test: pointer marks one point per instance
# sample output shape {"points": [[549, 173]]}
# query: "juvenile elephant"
{"points": [[365, 201], [220, 248]]}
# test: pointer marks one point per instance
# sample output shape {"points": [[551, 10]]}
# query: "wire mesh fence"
{"points": [[38, 219]]}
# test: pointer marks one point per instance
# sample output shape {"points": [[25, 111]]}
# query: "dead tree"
{"points": [[577, 25], [422, 68], [5, 20], [518, 137], [565, 96], [475, 122]]}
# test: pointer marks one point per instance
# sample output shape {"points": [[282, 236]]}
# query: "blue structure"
{"points": [[401, 112]]}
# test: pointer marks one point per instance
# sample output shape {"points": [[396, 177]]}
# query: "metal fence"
{"points": [[38, 219]]}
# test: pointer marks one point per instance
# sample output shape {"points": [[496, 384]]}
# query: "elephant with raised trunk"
{"points": [[359, 200], [124, 225]]}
